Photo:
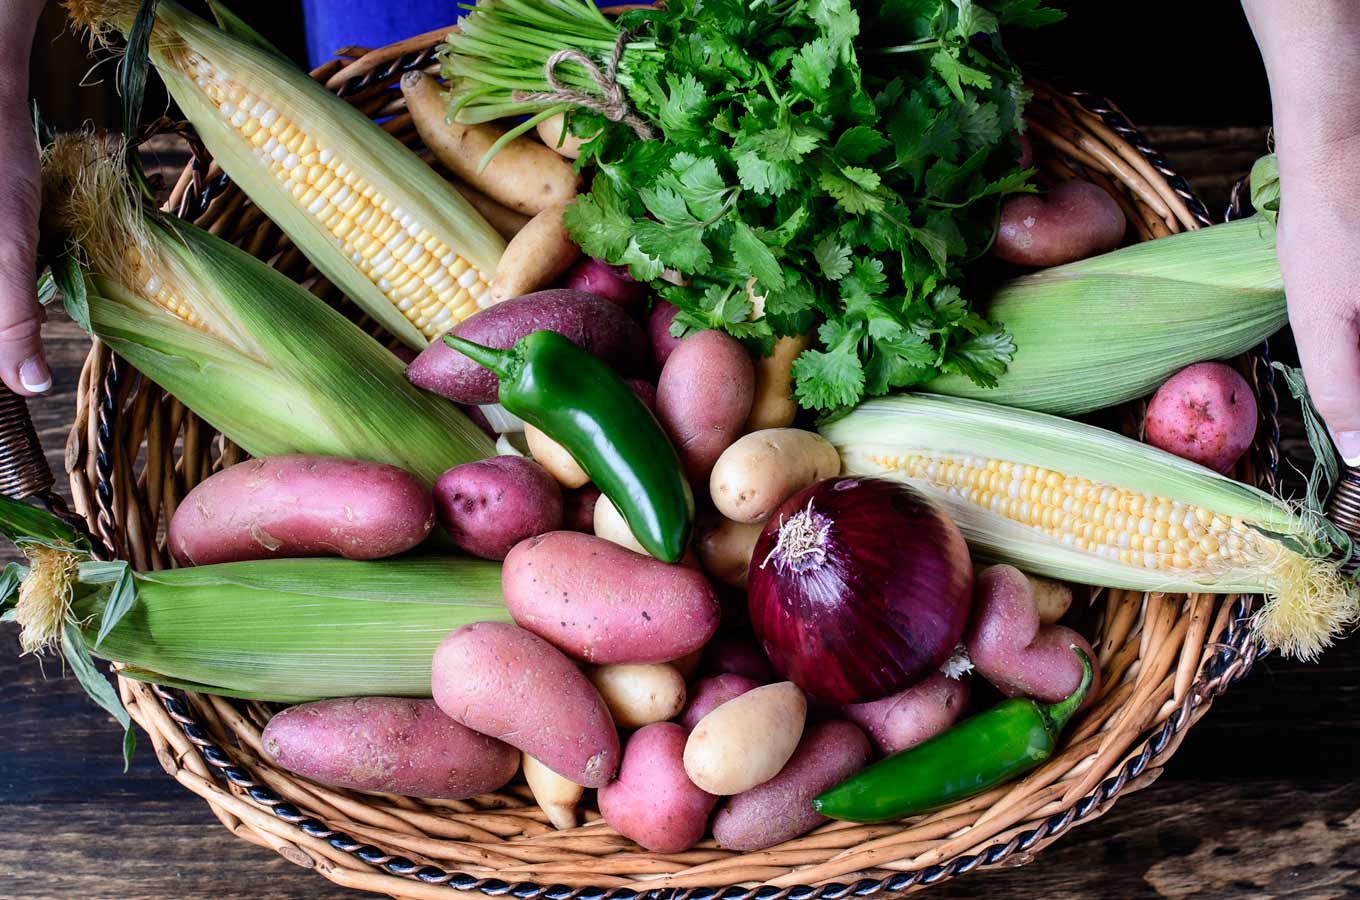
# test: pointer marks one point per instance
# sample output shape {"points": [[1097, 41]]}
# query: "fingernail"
{"points": [[33, 375], [1348, 445]]}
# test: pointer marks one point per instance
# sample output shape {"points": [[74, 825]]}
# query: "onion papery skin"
{"points": [[876, 601]]}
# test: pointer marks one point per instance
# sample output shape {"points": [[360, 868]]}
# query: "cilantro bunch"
{"points": [[848, 158]]}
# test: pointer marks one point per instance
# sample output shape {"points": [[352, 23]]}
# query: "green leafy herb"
{"points": [[843, 160]]}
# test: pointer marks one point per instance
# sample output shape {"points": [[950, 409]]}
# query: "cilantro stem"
{"points": [[914, 47]]}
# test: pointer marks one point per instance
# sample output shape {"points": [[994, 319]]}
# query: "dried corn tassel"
{"points": [[1078, 503]]}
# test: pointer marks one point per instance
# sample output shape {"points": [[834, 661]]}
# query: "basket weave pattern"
{"points": [[134, 452]]}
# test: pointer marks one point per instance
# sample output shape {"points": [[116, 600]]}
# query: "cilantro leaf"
{"points": [[833, 258], [752, 253], [857, 144], [854, 188]]}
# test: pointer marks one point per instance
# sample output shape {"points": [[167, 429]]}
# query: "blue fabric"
{"points": [[332, 24]]}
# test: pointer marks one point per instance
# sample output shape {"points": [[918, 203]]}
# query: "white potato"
{"points": [[554, 457], [639, 694], [760, 471], [747, 740], [612, 526], [725, 548], [556, 795]]}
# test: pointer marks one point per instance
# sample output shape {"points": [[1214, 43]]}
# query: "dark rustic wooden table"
{"points": [[1261, 800]]}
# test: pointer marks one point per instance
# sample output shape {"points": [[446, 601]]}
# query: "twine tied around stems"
{"points": [[610, 102]]}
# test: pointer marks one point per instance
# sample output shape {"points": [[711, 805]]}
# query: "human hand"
{"points": [[1309, 48], [22, 363], [1319, 253]]}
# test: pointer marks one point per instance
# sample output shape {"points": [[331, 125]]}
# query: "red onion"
{"points": [[859, 587]]}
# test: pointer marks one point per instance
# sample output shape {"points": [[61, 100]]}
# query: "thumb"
{"points": [[22, 365], [1328, 338]]}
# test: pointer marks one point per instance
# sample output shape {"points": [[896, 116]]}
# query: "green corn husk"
{"points": [[396, 183], [288, 630], [1112, 328], [1092, 491], [261, 359]]}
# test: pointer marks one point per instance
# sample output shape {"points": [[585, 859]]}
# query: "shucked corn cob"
{"points": [[376, 220], [1071, 501], [265, 362]]}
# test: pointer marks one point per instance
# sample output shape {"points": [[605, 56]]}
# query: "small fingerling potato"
{"points": [[602, 603], [754, 476], [558, 797], [555, 134], [747, 740], [1012, 649], [525, 175], [653, 802], [911, 715], [555, 458], [294, 505], [781, 808], [710, 693], [773, 405], [1054, 598], [610, 524], [540, 252], [490, 505], [510, 684], [639, 694], [505, 220], [725, 547], [1072, 221], [396, 745], [703, 398]]}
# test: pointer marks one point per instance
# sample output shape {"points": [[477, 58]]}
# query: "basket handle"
{"points": [[24, 471]]}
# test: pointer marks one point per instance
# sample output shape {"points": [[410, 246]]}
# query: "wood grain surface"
{"points": [[1260, 801]]}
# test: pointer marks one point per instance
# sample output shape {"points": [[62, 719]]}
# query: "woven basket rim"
{"points": [[1228, 657]]}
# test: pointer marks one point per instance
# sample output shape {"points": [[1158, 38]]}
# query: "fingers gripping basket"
{"points": [[134, 452]]}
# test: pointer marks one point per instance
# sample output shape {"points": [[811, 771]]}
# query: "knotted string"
{"points": [[610, 102]]}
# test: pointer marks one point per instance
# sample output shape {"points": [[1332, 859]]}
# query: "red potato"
{"points": [[510, 684], [602, 603], [736, 656], [645, 390], [703, 398], [1074, 220], [290, 506], [781, 808], [491, 505], [1014, 651], [659, 331], [1205, 413], [613, 283], [710, 693], [578, 508], [913, 715], [595, 324], [395, 745], [653, 802]]}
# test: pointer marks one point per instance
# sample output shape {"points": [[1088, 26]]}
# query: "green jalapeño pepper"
{"points": [[578, 401], [979, 753]]}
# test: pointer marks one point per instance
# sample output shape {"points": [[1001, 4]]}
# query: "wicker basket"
{"points": [[134, 452]]}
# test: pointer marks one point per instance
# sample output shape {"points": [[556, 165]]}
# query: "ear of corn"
{"points": [[1112, 328], [376, 220], [287, 630], [1078, 503], [257, 356]]}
